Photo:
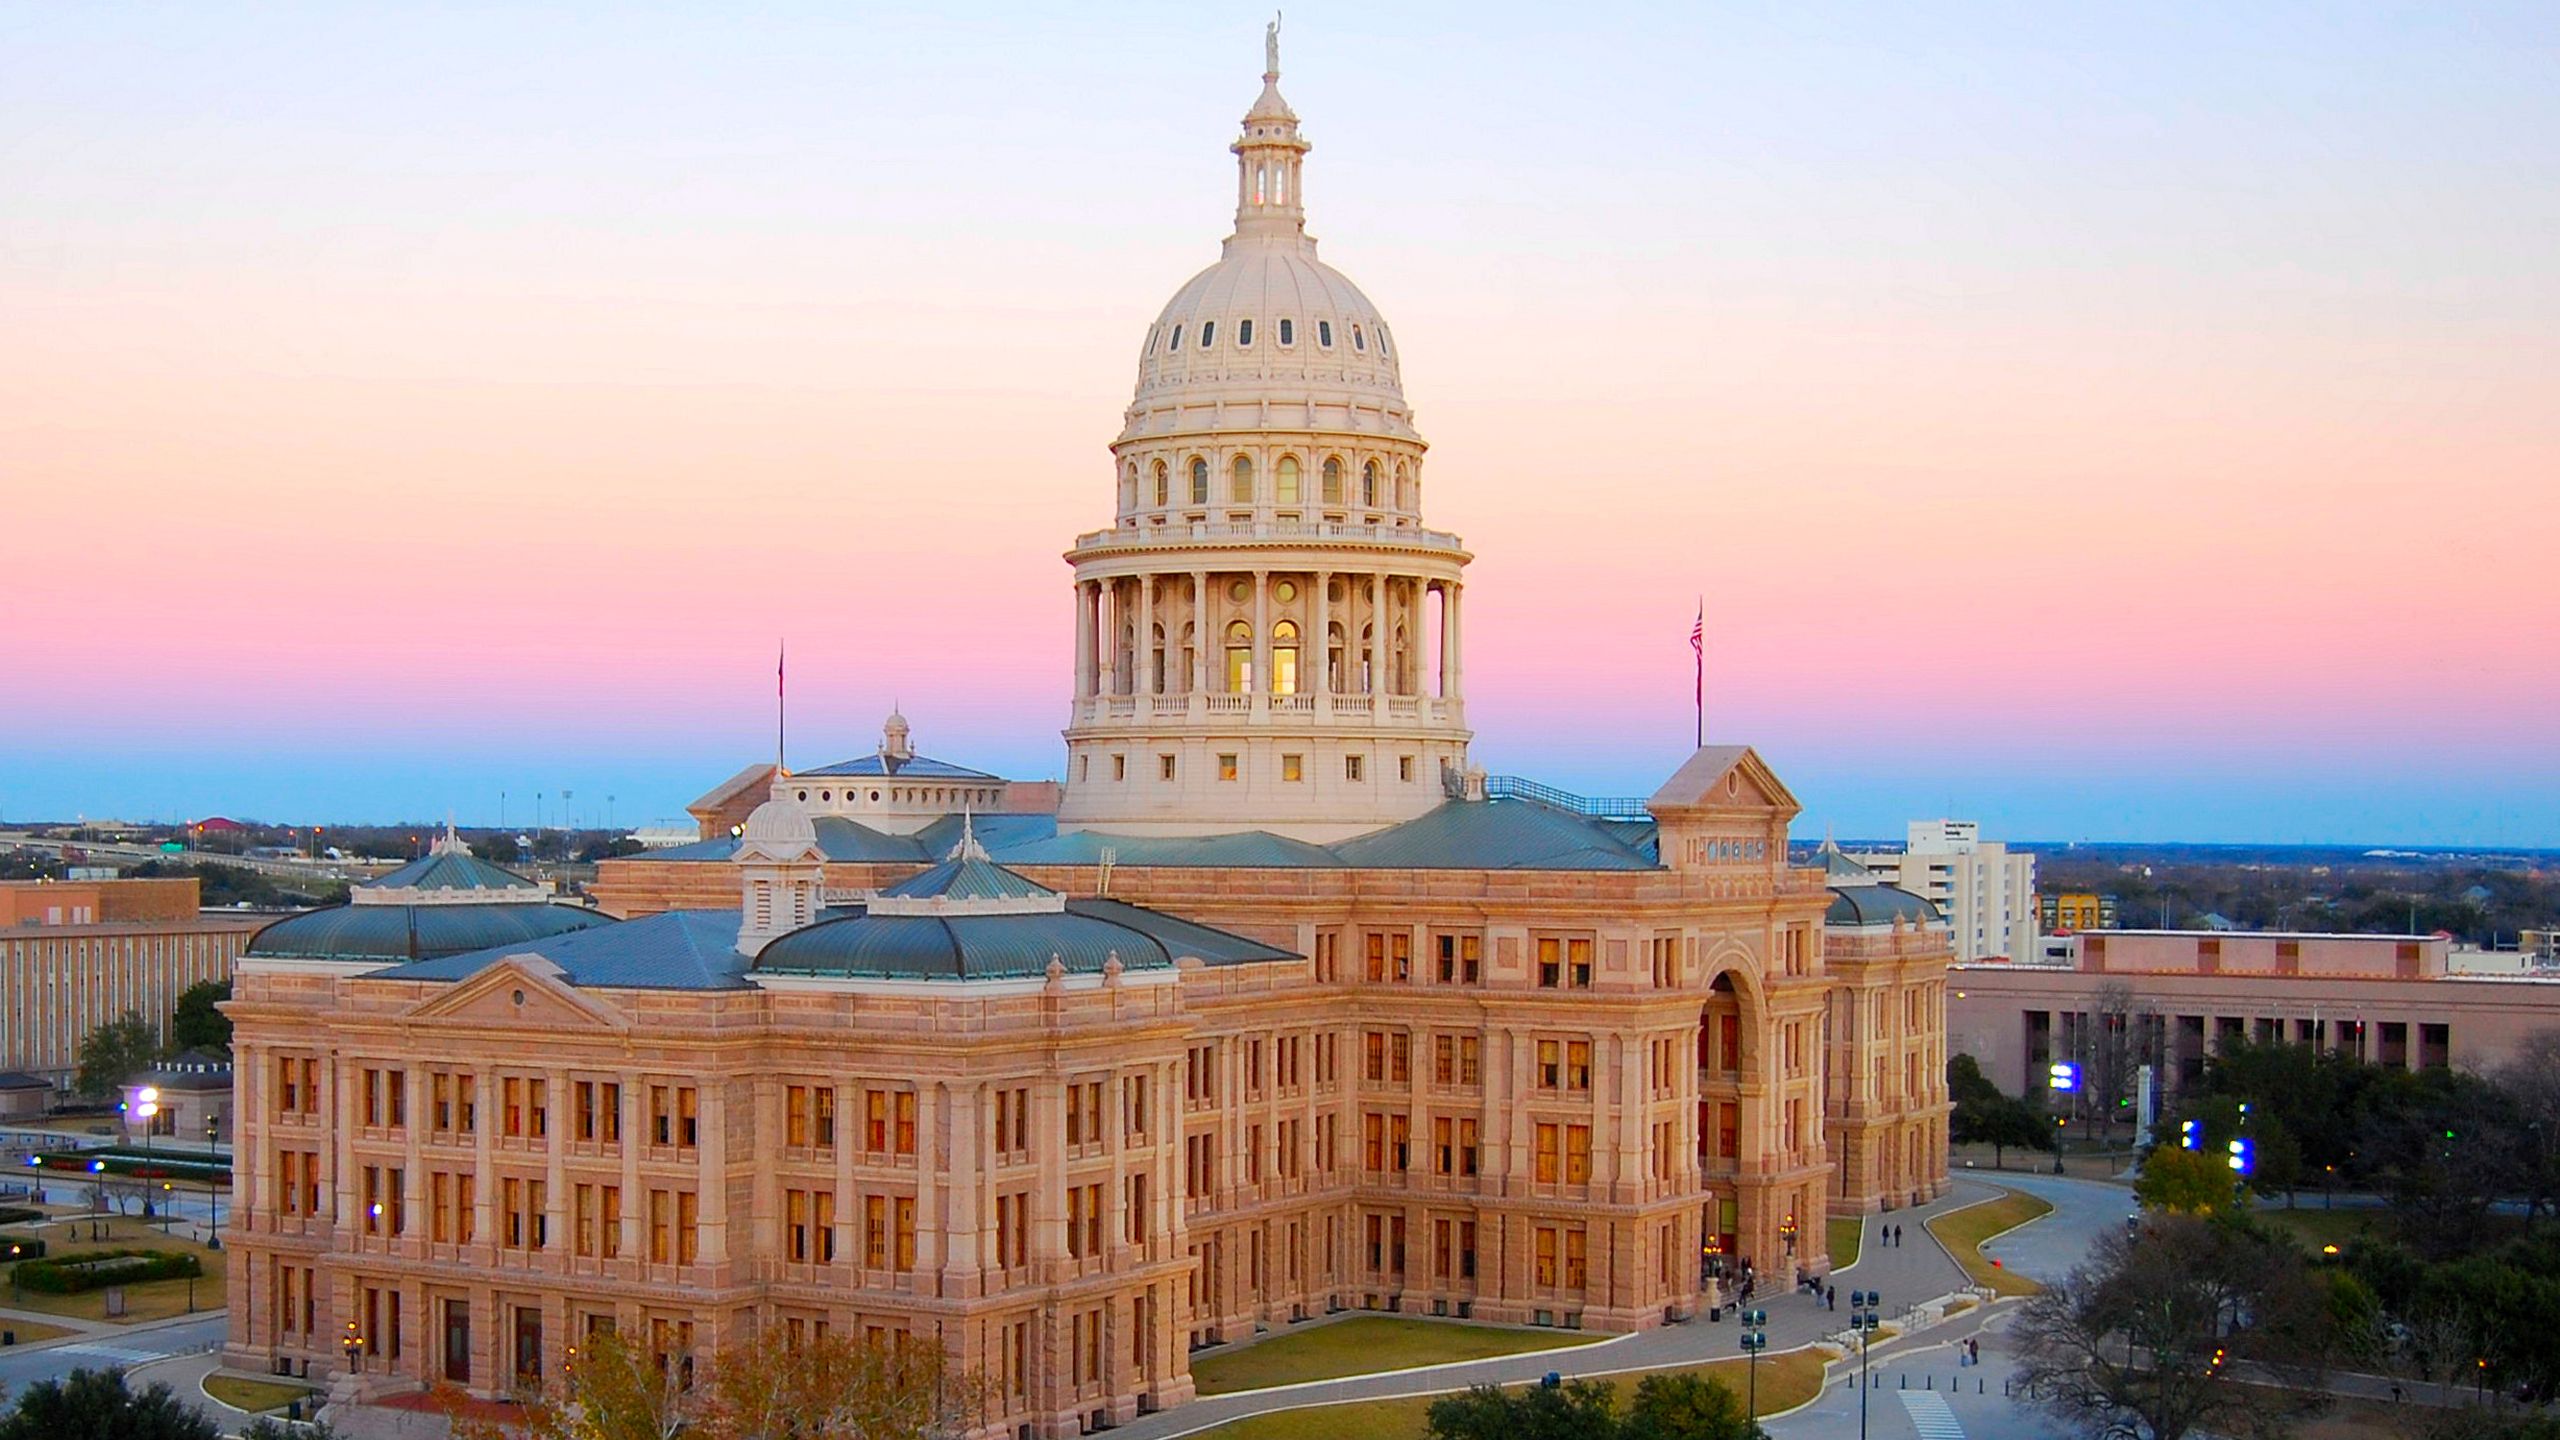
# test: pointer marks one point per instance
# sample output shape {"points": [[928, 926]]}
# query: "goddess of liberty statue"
{"points": [[1271, 45]]}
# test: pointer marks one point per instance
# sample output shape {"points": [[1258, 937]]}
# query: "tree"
{"points": [[95, 1405], [1687, 1406], [2147, 1338], [1984, 1116], [498, 849], [832, 1388], [611, 1391], [1580, 1410], [2531, 1081], [197, 1025], [114, 1052], [2185, 1182], [2116, 1036]]}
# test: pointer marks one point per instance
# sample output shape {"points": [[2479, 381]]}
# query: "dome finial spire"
{"points": [[1270, 156], [1271, 48]]}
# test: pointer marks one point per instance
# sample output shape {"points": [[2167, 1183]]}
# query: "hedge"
{"points": [[97, 1269], [19, 1215]]}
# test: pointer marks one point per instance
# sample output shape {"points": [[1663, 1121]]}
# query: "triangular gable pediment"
{"points": [[523, 990], [1725, 777]]}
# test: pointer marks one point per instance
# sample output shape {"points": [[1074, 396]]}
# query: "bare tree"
{"points": [[2152, 1337], [2116, 1041], [2531, 1078]]}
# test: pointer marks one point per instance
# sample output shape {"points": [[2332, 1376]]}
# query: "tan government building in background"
{"points": [[1278, 1007]]}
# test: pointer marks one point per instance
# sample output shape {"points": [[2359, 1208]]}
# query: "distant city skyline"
{"points": [[2101, 425]]}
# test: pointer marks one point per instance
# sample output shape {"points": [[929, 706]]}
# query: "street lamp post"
{"points": [[1862, 1318], [147, 1109], [1754, 1340], [212, 1200]]}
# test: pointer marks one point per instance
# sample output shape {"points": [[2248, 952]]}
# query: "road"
{"points": [[121, 1346], [1919, 1391]]}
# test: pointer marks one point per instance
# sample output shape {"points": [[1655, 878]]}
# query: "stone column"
{"points": [[1146, 635], [1107, 630], [1453, 651], [1323, 639], [1262, 637], [1084, 638], [1201, 639], [1377, 642]]}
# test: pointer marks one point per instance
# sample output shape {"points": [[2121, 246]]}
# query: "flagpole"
{"points": [[781, 653], [1698, 647]]}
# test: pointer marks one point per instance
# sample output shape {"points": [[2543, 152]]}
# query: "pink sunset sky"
{"points": [[2106, 421]]}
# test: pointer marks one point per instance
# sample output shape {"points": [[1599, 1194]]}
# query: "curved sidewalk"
{"points": [[1916, 1271]]}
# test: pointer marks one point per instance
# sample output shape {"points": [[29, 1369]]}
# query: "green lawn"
{"points": [[1365, 1345], [1963, 1231], [255, 1396], [1786, 1381], [155, 1300], [1846, 1232], [2312, 1229]]}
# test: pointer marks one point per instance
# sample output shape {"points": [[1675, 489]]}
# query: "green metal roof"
{"points": [[452, 870], [1082, 938], [972, 879], [414, 932]]}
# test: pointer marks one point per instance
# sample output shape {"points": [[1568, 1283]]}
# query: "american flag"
{"points": [[1698, 647]]}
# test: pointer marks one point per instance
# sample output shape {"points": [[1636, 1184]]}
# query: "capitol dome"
{"points": [[1268, 311]]}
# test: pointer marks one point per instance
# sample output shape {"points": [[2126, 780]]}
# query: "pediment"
{"points": [[1725, 777], [519, 991]]}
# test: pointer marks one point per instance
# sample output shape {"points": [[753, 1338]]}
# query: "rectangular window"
{"points": [[1548, 1153], [1577, 1065], [1404, 768], [1164, 767], [1577, 1154], [1351, 768], [1293, 768], [1119, 767], [1226, 767]]}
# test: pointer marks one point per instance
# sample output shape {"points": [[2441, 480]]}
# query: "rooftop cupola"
{"points": [[895, 746], [782, 874], [1270, 159]]}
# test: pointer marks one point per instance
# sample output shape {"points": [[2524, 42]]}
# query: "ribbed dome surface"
{"points": [[1334, 335]]}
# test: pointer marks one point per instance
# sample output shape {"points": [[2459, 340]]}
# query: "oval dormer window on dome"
{"points": [[1199, 481], [1288, 333], [1244, 334], [1359, 341], [1208, 333], [1324, 335], [1176, 343]]}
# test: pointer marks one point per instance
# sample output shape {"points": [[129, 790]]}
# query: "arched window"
{"points": [[1164, 485], [1157, 658], [1199, 481], [1404, 489], [1333, 658], [1284, 658], [1241, 492], [1190, 639], [1239, 658], [1369, 484], [1129, 489], [1244, 334], [1288, 333], [1284, 480], [1333, 479]]}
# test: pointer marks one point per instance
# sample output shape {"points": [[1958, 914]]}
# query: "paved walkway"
{"points": [[1910, 1274]]}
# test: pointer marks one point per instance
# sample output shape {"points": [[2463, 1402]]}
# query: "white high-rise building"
{"points": [[1986, 891]]}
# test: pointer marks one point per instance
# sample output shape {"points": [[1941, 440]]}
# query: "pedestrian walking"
{"points": [[1897, 1237], [1830, 1297]]}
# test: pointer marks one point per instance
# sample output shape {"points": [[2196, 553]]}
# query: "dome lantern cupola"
{"points": [[1270, 158]]}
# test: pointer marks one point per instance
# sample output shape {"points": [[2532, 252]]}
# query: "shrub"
{"points": [[97, 1269], [20, 1247], [19, 1215]]}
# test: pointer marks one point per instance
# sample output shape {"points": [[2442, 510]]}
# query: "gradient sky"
{"points": [[2108, 421]]}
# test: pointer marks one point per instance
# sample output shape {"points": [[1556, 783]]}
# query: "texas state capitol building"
{"points": [[1282, 1009]]}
